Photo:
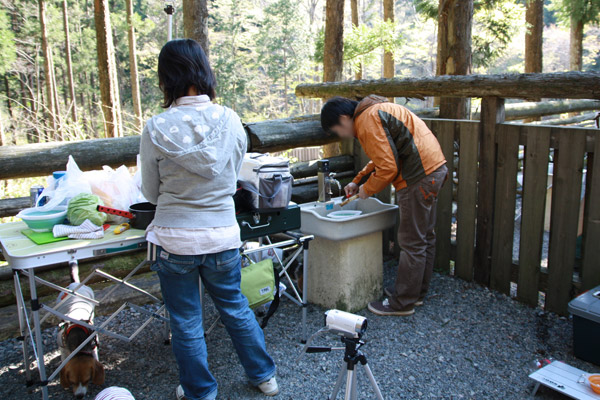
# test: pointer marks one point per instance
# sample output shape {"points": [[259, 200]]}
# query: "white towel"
{"points": [[87, 230], [115, 393]]}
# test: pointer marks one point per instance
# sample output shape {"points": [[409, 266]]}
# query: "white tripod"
{"points": [[353, 357]]}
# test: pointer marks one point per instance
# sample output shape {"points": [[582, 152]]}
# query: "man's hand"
{"points": [[351, 189], [361, 193]]}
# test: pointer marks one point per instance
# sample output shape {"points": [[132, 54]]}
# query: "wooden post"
{"points": [[564, 218], [492, 114], [591, 267], [466, 199], [535, 181], [504, 207], [445, 132]]}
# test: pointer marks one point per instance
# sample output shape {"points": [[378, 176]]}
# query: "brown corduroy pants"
{"points": [[416, 236]]}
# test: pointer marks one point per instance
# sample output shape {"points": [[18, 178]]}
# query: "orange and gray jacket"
{"points": [[401, 147]]}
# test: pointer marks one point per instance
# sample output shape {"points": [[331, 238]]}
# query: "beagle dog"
{"points": [[84, 368]]}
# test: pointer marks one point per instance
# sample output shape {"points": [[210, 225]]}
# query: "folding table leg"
{"points": [[35, 307], [304, 289], [535, 389], [167, 327], [22, 328]]}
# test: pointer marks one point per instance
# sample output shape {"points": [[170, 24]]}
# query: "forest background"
{"points": [[260, 50]]}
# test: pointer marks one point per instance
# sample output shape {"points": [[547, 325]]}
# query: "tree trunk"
{"points": [[10, 110], [388, 57], [135, 84], [333, 50], [455, 19], [576, 45], [534, 17], [355, 22], [195, 22], [107, 70], [69, 62], [333, 53], [48, 70]]}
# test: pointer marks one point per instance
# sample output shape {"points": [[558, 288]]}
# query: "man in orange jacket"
{"points": [[405, 153]]}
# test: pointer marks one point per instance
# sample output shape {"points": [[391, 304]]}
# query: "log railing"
{"points": [[564, 85]]}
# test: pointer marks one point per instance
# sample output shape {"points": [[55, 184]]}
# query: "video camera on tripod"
{"points": [[351, 328]]}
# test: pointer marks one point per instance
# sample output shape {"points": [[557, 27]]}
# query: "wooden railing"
{"points": [[565, 273]]}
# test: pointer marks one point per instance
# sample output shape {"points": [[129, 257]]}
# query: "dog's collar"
{"points": [[70, 327]]}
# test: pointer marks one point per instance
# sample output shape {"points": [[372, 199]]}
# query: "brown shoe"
{"points": [[383, 308], [389, 292]]}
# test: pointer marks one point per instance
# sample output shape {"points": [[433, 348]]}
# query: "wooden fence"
{"points": [[572, 149]]}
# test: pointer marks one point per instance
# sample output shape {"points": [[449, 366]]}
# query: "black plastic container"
{"points": [[585, 309]]}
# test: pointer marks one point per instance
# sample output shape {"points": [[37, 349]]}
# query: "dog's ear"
{"points": [[98, 373], [64, 377]]}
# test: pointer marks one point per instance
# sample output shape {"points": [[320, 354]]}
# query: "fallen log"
{"points": [[10, 207], [565, 121], [565, 85], [309, 168], [519, 111]]}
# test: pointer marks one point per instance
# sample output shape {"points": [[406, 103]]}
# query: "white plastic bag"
{"points": [[116, 188], [59, 192]]}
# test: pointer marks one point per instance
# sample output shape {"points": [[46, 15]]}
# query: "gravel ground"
{"points": [[466, 342]]}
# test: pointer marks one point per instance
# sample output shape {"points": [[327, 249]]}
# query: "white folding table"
{"points": [[24, 257], [564, 379]]}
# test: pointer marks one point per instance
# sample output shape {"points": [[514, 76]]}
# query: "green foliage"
{"points": [[427, 8], [363, 44], [587, 11], [496, 22], [282, 40]]}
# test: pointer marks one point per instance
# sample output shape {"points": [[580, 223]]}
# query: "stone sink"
{"points": [[345, 260], [376, 217]]}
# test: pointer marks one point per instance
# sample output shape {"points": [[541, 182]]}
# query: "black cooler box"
{"points": [[585, 309], [257, 224]]}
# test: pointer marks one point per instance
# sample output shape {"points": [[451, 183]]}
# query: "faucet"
{"points": [[325, 179]]}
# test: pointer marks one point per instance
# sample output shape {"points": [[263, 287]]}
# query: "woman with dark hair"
{"points": [[191, 156]]}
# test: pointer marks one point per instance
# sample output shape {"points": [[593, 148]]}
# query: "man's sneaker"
{"points": [[383, 308], [389, 292], [179, 393], [270, 387]]}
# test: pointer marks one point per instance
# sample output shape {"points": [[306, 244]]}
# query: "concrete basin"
{"points": [[345, 260], [376, 217]]}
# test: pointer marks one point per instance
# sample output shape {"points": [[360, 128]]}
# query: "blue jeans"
{"points": [[221, 276]]}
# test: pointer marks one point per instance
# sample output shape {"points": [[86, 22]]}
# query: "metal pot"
{"points": [[140, 215]]}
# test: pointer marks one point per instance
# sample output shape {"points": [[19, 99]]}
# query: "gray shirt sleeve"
{"points": [[150, 174]]}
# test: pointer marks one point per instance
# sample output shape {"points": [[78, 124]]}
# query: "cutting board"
{"points": [[42, 237]]}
